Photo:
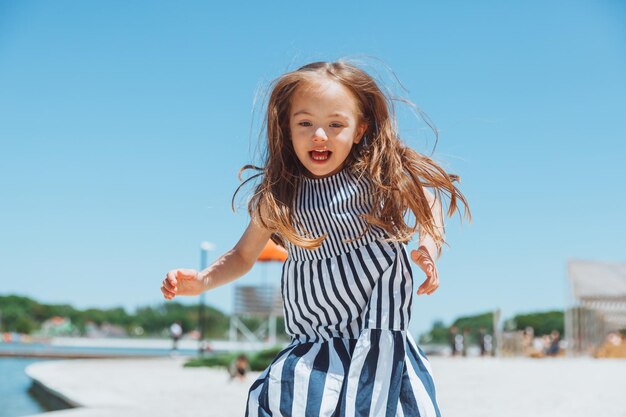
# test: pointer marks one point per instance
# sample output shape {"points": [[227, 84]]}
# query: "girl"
{"points": [[335, 189]]}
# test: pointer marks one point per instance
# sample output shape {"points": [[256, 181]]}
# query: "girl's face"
{"points": [[324, 123]]}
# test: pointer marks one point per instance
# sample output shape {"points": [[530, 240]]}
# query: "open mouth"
{"points": [[320, 156]]}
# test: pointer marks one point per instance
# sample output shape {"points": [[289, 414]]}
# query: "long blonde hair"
{"points": [[398, 173]]}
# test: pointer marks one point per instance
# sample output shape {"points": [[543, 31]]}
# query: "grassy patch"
{"points": [[258, 360]]}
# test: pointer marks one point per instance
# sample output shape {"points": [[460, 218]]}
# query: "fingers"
{"points": [[178, 281], [168, 295], [169, 285], [427, 289], [430, 284], [422, 258]]}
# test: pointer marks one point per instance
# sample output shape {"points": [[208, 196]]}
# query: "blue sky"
{"points": [[123, 125]]}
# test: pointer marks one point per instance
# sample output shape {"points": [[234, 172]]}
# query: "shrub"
{"points": [[258, 361]]}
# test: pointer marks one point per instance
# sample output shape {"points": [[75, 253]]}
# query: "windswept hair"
{"points": [[398, 173]]}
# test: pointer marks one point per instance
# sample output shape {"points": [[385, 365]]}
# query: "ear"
{"points": [[360, 131]]}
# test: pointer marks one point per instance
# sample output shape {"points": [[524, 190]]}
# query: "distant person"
{"points": [[205, 346], [334, 191], [613, 347], [239, 367], [528, 336], [452, 340], [485, 342], [176, 331], [554, 348], [465, 341], [459, 343]]}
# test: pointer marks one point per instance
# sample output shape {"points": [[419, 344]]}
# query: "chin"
{"points": [[324, 172]]}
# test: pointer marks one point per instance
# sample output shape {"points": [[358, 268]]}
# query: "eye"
{"points": [[336, 125], [305, 124]]}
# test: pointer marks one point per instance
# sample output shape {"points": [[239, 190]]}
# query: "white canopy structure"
{"points": [[261, 301], [597, 305]]}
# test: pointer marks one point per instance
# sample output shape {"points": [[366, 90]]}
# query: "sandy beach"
{"points": [[468, 387]]}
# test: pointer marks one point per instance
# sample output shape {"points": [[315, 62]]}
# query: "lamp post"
{"points": [[205, 247]]}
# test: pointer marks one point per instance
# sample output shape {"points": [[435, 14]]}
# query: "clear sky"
{"points": [[123, 125]]}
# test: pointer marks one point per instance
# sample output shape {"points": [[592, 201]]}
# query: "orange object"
{"points": [[272, 252]]}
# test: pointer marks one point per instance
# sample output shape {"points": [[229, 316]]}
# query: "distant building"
{"points": [[105, 330], [597, 304], [58, 326]]}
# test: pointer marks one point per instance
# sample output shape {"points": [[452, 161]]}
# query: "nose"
{"points": [[320, 135]]}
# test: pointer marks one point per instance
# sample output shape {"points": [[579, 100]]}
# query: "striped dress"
{"points": [[347, 309]]}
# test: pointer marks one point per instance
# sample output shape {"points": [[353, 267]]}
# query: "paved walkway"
{"points": [[471, 387]]}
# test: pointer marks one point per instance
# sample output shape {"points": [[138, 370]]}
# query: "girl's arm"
{"points": [[228, 267], [426, 240], [427, 250]]}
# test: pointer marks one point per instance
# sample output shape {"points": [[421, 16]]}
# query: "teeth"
{"points": [[320, 155]]}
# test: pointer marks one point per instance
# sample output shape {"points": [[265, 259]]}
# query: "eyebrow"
{"points": [[345, 116]]}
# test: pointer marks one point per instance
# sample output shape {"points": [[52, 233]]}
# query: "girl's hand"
{"points": [[182, 282], [422, 258]]}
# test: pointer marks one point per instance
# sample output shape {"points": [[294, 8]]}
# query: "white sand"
{"points": [[466, 387]]}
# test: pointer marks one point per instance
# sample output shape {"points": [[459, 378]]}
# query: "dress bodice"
{"points": [[333, 206]]}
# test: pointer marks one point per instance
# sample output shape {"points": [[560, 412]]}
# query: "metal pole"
{"points": [[496, 347], [205, 247]]}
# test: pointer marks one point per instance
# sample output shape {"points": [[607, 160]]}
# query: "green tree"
{"points": [[542, 323], [440, 333]]}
